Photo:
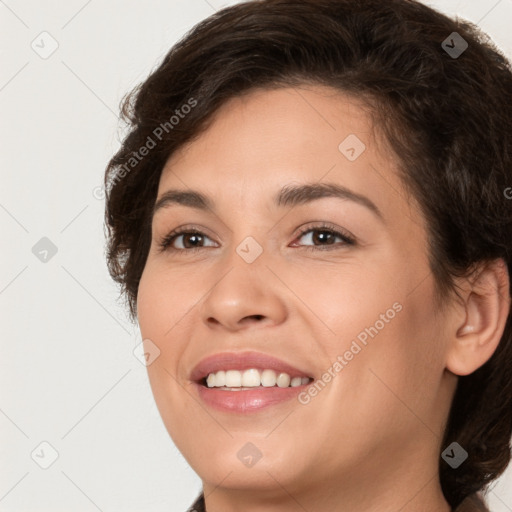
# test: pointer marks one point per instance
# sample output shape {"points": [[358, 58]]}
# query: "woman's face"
{"points": [[353, 314]]}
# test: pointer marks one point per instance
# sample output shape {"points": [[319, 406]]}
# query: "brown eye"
{"points": [[326, 237], [191, 239]]}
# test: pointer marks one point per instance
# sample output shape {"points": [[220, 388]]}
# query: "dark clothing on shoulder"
{"points": [[471, 504]]}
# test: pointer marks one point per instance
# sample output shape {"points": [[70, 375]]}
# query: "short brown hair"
{"points": [[448, 118]]}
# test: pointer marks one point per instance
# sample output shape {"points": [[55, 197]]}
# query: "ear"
{"points": [[480, 318]]}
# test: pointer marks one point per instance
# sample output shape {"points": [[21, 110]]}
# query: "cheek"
{"points": [[406, 358], [163, 300], [159, 310], [344, 300], [151, 303], [389, 336]]}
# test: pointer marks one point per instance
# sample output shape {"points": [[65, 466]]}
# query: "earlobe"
{"points": [[486, 307]]}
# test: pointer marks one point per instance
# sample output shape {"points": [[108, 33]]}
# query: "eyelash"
{"points": [[166, 242]]}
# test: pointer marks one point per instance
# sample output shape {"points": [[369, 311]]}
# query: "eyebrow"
{"points": [[288, 196]]}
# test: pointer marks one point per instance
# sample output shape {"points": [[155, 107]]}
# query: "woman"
{"points": [[311, 220]]}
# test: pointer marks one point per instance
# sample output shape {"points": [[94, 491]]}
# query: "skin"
{"points": [[371, 439]]}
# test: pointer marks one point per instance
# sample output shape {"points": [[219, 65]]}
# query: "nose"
{"points": [[246, 296]]}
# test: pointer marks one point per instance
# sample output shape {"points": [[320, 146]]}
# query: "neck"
{"points": [[410, 493]]}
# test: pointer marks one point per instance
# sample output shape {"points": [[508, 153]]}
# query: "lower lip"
{"points": [[246, 401]]}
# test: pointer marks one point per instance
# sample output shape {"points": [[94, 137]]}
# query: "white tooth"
{"points": [[283, 381], [296, 381], [268, 378], [220, 379], [210, 381], [233, 379], [251, 378]]}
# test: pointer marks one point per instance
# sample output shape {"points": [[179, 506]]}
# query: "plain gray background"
{"points": [[69, 376]]}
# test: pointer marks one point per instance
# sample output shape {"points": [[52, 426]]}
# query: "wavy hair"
{"points": [[447, 117]]}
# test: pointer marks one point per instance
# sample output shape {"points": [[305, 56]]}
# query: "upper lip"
{"points": [[242, 361]]}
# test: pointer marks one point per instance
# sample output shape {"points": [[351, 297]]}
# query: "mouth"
{"points": [[247, 382], [240, 380]]}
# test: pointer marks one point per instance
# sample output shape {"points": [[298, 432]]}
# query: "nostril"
{"points": [[255, 317]]}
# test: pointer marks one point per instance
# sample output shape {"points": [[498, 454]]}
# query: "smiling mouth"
{"points": [[252, 378]]}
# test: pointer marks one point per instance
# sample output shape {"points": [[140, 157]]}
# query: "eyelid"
{"points": [[164, 241], [327, 226], [348, 239]]}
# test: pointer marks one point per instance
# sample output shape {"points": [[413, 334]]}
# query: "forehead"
{"points": [[261, 141], [284, 124]]}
